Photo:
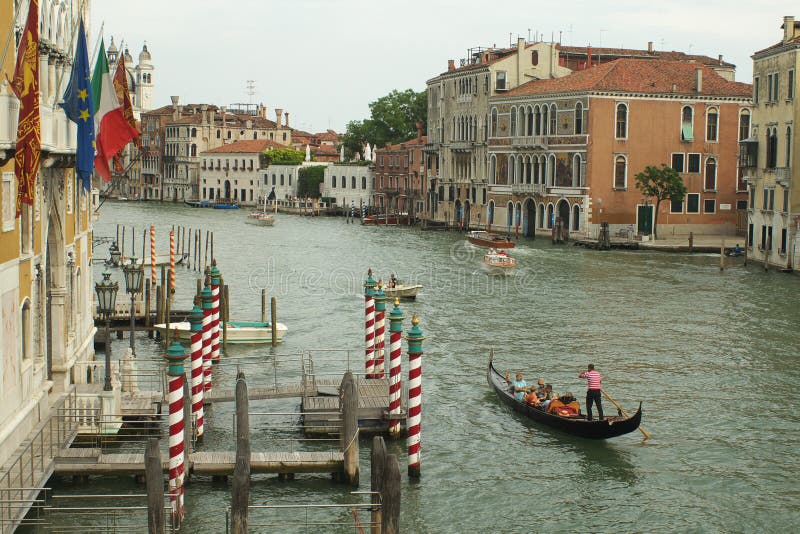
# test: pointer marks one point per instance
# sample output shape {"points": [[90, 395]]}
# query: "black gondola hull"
{"points": [[577, 426]]}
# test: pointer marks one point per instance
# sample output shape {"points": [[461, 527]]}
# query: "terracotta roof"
{"points": [[638, 76], [780, 44], [643, 54], [250, 146], [330, 135], [411, 143]]}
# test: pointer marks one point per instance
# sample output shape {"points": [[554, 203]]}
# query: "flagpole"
{"points": [[72, 44], [97, 44], [10, 33]]}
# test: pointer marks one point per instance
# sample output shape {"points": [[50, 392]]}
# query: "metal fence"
{"points": [[72, 514]]}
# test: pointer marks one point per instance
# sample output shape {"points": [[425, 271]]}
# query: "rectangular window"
{"points": [[9, 199], [676, 206], [769, 87], [693, 203], [785, 201], [693, 163], [756, 87], [775, 88], [750, 235], [500, 81], [741, 205], [769, 238], [677, 161], [790, 89], [763, 244], [765, 200], [771, 199], [709, 205]]}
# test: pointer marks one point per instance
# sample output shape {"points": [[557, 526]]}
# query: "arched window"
{"points": [[744, 124], [25, 336], [537, 117], [551, 162], [513, 121], [553, 117], [576, 171], [772, 148], [493, 169], [333, 182], [490, 213], [194, 150], [576, 218], [621, 131], [578, 118], [194, 132], [535, 58], [218, 134], [511, 169], [710, 183], [521, 122], [687, 128], [352, 182], [363, 182], [712, 123], [620, 172], [544, 120], [494, 123], [788, 146]]}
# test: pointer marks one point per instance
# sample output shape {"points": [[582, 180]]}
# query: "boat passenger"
{"points": [[519, 387], [532, 399], [548, 396], [541, 388], [392, 281], [737, 250]]}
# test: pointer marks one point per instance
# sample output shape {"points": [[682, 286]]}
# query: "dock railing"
{"points": [[22, 477], [100, 513]]}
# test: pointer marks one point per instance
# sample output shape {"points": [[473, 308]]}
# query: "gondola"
{"points": [[610, 427]]}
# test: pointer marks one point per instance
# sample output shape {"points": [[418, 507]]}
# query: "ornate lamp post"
{"points": [[134, 275], [106, 302], [116, 254]]}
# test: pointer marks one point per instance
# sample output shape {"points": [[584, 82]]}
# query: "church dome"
{"points": [[144, 55], [128, 57], [112, 48]]}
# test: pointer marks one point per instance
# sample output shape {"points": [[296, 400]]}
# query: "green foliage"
{"points": [[393, 120], [308, 181], [662, 183], [282, 156]]}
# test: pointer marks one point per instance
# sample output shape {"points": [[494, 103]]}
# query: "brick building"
{"points": [[401, 183]]}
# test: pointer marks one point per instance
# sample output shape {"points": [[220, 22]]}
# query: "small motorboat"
{"points": [[226, 204], [403, 291], [487, 239], [261, 217], [198, 203], [378, 220], [497, 261], [242, 332]]}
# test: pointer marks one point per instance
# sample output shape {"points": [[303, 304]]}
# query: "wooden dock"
{"points": [[91, 461]]}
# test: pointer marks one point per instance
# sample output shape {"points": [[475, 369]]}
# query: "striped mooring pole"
{"points": [[380, 331], [395, 379], [153, 279], [171, 262], [413, 436], [196, 321], [205, 295], [369, 311], [175, 355], [215, 329]]}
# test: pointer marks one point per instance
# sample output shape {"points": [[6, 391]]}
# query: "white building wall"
{"points": [[343, 191]]}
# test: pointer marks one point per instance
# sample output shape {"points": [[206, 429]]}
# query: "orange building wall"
{"points": [[654, 133]]}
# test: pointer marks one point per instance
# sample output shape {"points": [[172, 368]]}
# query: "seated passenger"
{"points": [[518, 387], [548, 396], [540, 389], [532, 399]]}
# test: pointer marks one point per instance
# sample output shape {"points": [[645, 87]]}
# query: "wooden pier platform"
{"points": [[91, 461]]}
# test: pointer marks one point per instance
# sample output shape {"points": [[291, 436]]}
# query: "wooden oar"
{"points": [[609, 397]]}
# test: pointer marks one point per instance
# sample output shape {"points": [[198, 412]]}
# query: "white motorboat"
{"points": [[403, 291], [261, 217], [498, 262], [237, 331]]}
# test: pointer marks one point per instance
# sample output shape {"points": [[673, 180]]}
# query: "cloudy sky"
{"points": [[325, 60]]}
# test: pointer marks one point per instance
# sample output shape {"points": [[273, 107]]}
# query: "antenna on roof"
{"points": [[251, 89], [529, 35]]}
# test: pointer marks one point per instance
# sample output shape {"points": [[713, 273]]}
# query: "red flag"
{"points": [[124, 96], [26, 86]]}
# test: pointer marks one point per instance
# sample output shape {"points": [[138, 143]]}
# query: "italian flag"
{"points": [[112, 131]]}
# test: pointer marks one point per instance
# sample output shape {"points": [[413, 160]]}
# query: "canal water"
{"points": [[713, 357]]}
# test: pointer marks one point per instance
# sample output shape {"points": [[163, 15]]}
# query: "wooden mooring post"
{"points": [[377, 464], [390, 496], [147, 308], [349, 432], [722, 256], [263, 305], [240, 490], [273, 314], [154, 482]]}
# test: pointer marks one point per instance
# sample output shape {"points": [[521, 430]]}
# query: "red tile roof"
{"points": [[638, 76], [250, 146], [643, 54], [780, 44]]}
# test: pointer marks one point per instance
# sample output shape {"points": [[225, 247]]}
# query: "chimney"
{"points": [[278, 117], [286, 116], [698, 80], [720, 59], [175, 109], [204, 111], [418, 124], [211, 116], [674, 87], [451, 65], [649, 47], [788, 29], [520, 44]]}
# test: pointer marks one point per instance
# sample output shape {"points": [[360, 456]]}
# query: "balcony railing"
{"points": [[521, 189]]}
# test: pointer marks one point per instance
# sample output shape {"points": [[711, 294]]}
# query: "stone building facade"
{"points": [[349, 185], [769, 156], [233, 172], [401, 181]]}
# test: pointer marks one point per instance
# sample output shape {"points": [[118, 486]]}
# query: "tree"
{"points": [[662, 184], [393, 119], [282, 156], [308, 181]]}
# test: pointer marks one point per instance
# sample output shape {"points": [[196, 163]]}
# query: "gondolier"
{"points": [[593, 392]]}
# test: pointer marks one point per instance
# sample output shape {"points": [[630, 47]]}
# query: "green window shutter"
{"points": [[686, 132]]}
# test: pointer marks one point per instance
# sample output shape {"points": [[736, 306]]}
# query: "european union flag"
{"points": [[79, 106]]}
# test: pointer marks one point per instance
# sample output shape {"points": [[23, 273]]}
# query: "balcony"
{"points": [[783, 176], [461, 146], [527, 189], [537, 141]]}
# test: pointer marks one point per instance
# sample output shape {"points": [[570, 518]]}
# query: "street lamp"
{"points": [[106, 302], [116, 254], [134, 274]]}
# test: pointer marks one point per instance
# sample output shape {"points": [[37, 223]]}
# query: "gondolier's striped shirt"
{"points": [[593, 377]]}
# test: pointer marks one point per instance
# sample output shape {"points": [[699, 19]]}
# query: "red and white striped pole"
{"points": [[153, 279], [205, 294], [196, 321], [395, 357], [171, 262], [174, 356], [413, 425], [369, 337], [380, 331], [215, 329]]}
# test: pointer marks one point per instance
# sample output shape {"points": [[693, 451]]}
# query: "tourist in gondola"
{"points": [[532, 399], [518, 386], [541, 388], [593, 392], [547, 397]]}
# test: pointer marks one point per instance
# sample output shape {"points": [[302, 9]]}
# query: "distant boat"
{"points": [[498, 262], [486, 239], [377, 220], [261, 218], [241, 332], [403, 291], [226, 204], [198, 203]]}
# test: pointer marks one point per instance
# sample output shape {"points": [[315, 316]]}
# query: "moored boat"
{"points": [[198, 203], [499, 262], [487, 239], [377, 220], [225, 204], [576, 425], [237, 331], [260, 219]]}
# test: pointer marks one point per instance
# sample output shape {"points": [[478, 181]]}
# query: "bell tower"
{"points": [[144, 76]]}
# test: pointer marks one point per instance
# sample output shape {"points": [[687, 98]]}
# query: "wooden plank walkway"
{"points": [[91, 462]]}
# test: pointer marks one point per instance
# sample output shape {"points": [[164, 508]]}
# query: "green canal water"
{"points": [[713, 356]]}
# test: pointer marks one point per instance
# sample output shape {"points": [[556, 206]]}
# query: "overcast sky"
{"points": [[325, 60]]}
